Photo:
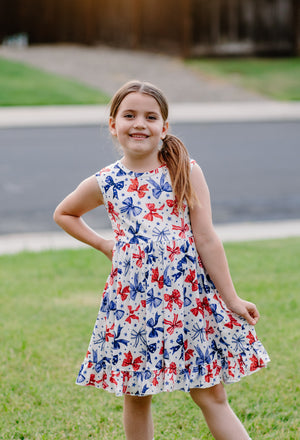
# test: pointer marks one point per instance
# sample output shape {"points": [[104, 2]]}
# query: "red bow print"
{"points": [[188, 353], [112, 211], [93, 381], [139, 257], [199, 309], [112, 275], [173, 298], [108, 333], [122, 292], [183, 228], [208, 330], [191, 278], [232, 322], [132, 314], [241, 364], [217, 367], [129, 361], [216, 297], [206, 305], [173, 204], [135, 187], [200, 261], [251, 338], [119, 232], [209, 374], [175, 250], [153, 212], [172, 368], [156, 278], [173, 324], [114, 374], [256, 363]]}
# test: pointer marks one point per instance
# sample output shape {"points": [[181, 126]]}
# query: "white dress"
{"points": [[162, 325]]}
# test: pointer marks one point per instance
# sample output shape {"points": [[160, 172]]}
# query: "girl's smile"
{"points": [[138, 136]]}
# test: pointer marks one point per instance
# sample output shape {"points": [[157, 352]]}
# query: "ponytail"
{"points": [[174, 153]]}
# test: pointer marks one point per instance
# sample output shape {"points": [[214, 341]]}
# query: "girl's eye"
{"points": [[128, 116], [152, 118]]}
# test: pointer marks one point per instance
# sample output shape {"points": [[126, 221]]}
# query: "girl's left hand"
{"points": [[107, 248], [245, 309]]}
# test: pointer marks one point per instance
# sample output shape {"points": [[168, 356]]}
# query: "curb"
{"points": [[47, 116], [233, 232]]}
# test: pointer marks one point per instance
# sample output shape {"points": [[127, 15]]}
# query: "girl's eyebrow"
{"points": [[152, 112]]}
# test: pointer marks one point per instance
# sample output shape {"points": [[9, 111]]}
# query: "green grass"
{"points": [[49, 302], [277, 78], [21, 85]]}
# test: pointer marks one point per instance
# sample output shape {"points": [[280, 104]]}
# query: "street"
{"points": [[252, 170]]}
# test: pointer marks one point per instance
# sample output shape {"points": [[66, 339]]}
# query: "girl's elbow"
{"points": [[57, 216], [206, 240]]}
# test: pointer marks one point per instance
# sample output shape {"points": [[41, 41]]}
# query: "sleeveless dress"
{"points": [[162, 325]]}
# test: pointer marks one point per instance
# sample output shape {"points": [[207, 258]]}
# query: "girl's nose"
{"points": [[139, 122]]}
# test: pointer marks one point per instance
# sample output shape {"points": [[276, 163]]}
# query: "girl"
{"points": [[170, 318]]}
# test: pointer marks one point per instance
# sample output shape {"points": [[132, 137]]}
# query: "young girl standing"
{"points": [[170, 318]]}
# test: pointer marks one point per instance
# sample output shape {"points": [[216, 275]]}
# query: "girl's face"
{"points": [[138, 125]]}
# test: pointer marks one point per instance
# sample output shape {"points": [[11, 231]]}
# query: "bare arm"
{"points": [[67, 215], [211, 250]]}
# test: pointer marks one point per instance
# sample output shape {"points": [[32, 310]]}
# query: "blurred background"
{"points": [[220, 52], [188, 27]]}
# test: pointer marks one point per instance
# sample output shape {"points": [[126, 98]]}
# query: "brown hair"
{"points": [[173, 152]]}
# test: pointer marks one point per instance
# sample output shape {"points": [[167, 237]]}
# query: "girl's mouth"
{"points": [[139, 136]]}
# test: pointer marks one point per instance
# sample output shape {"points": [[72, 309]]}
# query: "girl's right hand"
{"points": [[107, 248]]}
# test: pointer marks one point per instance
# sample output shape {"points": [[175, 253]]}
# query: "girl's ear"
{"points": [[165, 130], [112, 126]]}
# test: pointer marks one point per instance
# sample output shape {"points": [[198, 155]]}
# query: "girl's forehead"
{"points": [[140, 101]]}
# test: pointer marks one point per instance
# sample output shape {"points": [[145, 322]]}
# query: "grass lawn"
{"points": [[49, 302], [277, 78], [24, 85]]}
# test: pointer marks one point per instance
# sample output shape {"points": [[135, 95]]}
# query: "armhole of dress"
{"points": [[98, 177], [192, 163], [99, 181]]}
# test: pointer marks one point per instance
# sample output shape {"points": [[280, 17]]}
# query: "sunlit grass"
{"points": [[49, 302], [21, 85], [277, 78]]}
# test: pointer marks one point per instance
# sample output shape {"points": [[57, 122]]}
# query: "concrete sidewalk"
{"points": [[181, 112], [15, 243]]}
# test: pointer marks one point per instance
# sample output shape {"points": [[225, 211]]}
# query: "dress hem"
{"points": [[130, 382]]}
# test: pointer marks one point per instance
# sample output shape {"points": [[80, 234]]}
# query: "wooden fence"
{"points": [[189, 27]]}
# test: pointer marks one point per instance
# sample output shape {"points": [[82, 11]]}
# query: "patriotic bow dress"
{"points": [[162, 325]]}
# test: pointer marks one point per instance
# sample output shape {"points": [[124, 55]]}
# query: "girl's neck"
{"points": [[141, 165]]}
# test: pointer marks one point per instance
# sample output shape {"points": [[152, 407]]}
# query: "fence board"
{"points": [[186, 26]]}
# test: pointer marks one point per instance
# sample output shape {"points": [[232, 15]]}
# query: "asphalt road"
{"points": [[252, 170]]}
